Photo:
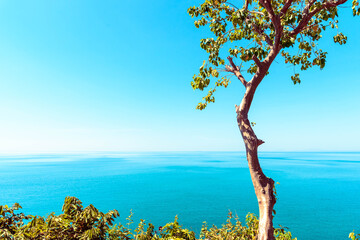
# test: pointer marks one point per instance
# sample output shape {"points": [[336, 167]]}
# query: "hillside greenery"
{"points": [[77, 222]]}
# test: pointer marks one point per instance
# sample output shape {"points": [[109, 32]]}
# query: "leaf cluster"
{"points": [[354, 236], [77, 222], [257, 29], [234, 230], [10, 221]]}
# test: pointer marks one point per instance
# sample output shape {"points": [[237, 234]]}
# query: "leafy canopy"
{"points": [[260, 28]]}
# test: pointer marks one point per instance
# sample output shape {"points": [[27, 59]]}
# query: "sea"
{"points": [[318, 192]]}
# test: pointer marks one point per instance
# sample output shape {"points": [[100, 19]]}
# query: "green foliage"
{"points": [[257, 29], [234, 230], [10, 221], [77, 222], [354, 236], [174, 231], [356, 8]]}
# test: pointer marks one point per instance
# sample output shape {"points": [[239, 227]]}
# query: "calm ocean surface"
{"points": [[319, 193]]}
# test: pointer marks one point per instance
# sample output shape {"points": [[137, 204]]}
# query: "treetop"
{"points": [[256, 32]]}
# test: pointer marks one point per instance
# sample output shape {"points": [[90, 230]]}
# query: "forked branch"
{"points": [[261, 32], [235, 70], [308, 15], [256, 60], [269, 9]]}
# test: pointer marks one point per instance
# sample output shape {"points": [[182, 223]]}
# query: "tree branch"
{"points": [[308, 6], [307, 16], [275, 19], [233, 5], [262, 33], [267, 5], [235, 70], [258, 30], [246, 5], [256, 60], [286, 7], [263, 67], [255, 12]]}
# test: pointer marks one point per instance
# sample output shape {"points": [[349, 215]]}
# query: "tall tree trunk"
{"points": [[263, 185]]}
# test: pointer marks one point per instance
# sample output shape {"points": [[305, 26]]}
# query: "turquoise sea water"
{"points": [[319, 193]]}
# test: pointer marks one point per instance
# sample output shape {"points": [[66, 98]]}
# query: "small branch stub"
{"points": [[237, 108], [259, 142]]}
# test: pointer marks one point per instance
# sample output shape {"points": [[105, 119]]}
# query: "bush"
{"points": [[77, 222], [235, 231]]}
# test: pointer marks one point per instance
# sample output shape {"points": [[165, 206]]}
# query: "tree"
{"points": [[256, 33]]}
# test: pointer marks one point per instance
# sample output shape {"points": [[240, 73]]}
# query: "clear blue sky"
{"points": [[115, 76]]}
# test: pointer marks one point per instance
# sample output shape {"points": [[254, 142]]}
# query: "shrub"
{"points": [[77, 222]]}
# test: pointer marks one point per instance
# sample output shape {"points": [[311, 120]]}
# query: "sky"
{"points": [[86, 75]]}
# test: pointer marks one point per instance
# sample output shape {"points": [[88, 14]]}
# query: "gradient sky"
{"points": [[115, 76]]}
